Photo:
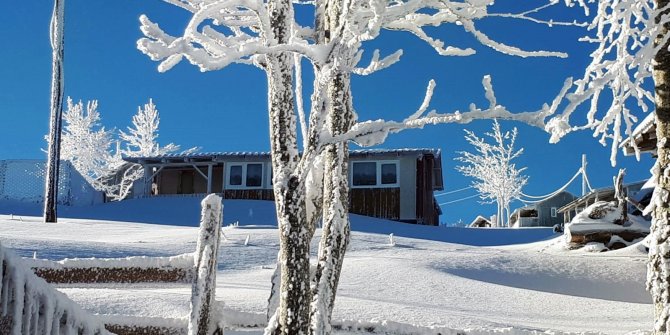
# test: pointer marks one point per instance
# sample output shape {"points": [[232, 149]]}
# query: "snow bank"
{"points": [[142, 262]]}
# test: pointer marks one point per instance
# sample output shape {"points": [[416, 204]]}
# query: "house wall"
{"points": [[544, 209], [407, 188], [426, 211], [395, 203]]}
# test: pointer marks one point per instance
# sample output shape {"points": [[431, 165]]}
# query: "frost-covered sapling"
{"points": [[496, 177]]}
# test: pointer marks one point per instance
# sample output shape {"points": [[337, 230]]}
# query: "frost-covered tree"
{"points": [[630, 58], [85, 142], [314, 185], [496, 178], [140, 140]]}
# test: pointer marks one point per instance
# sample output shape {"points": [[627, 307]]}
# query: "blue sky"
{"points": [[226, 110]]}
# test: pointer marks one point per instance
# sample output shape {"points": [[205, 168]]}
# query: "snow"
{"points": [[583, 223], [434, 279]]}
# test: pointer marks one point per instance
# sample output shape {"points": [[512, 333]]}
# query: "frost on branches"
{"points": [[314, 185], [85, 143], [626, 38], [141, 140], [496, 178]]}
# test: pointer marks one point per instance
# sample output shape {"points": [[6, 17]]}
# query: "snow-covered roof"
{"points": [[645, 125], [644, 136], [477, 220], [216, 156], [600, 193]]}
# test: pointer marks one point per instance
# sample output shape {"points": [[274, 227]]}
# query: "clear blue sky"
{"points": [[226, 110]]}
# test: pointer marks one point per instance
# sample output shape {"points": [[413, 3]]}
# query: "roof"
{"points": [[218, 156], [600, 193], [478, 219], [644, 136]]}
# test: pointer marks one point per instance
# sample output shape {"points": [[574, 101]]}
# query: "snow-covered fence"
{"points": [[23, 180], [197, 269], [28, 305]]}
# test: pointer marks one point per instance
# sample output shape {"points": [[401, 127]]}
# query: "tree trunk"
{"points": [[55, 123], [336, 226], [293, 314], [658, 277]]}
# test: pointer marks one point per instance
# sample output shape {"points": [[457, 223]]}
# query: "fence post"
{"points": [[205, 259]]}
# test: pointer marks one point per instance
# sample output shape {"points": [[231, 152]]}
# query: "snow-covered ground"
{"points": [[433, 280]]}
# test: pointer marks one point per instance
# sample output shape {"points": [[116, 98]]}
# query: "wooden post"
{"points": [[205, 259], [209, 178], [55, 123], [620, 197], [583, 174]]}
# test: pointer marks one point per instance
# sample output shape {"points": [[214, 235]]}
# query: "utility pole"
{"points": [[56, 120], [584, 174]]}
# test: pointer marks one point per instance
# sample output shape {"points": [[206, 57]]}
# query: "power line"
{"points": [[454, 191], [457, 200], [552, 194]]}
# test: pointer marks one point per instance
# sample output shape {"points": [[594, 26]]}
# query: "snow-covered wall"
{"points": [[23, 180]]}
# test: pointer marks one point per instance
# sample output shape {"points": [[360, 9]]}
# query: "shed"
{"points": [[480, 222]]}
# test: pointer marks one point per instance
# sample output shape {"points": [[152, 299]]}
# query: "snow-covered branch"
{"points": [[624, 33], [373, 132], [244, 33], [408, 16]]}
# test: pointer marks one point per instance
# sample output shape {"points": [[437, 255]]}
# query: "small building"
{"points": [[541, 214], [571, 209], [644, 137], [480, 222], [394, 184]]}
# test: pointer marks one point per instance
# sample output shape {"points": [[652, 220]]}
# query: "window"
{"points": [[364, 174], [244, 175], [389, 173], [236, 175], [553, 212], [374, 174], [254, 175]]}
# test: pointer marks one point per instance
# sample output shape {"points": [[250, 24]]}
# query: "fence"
{"points": [[197, 269], [24, 181]]}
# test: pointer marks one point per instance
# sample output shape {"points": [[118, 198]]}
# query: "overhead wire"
{"points": [[457, 200], [552, 194], [453, 191]]}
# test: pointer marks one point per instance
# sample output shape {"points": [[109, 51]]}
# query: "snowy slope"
{"points": [[418, 283], [185, 211]]}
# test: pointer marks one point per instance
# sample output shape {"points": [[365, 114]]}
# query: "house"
{"points": [[395, 184], [23, 180], [480, 222], [541, 214], [571, 209], [644, 137]]}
